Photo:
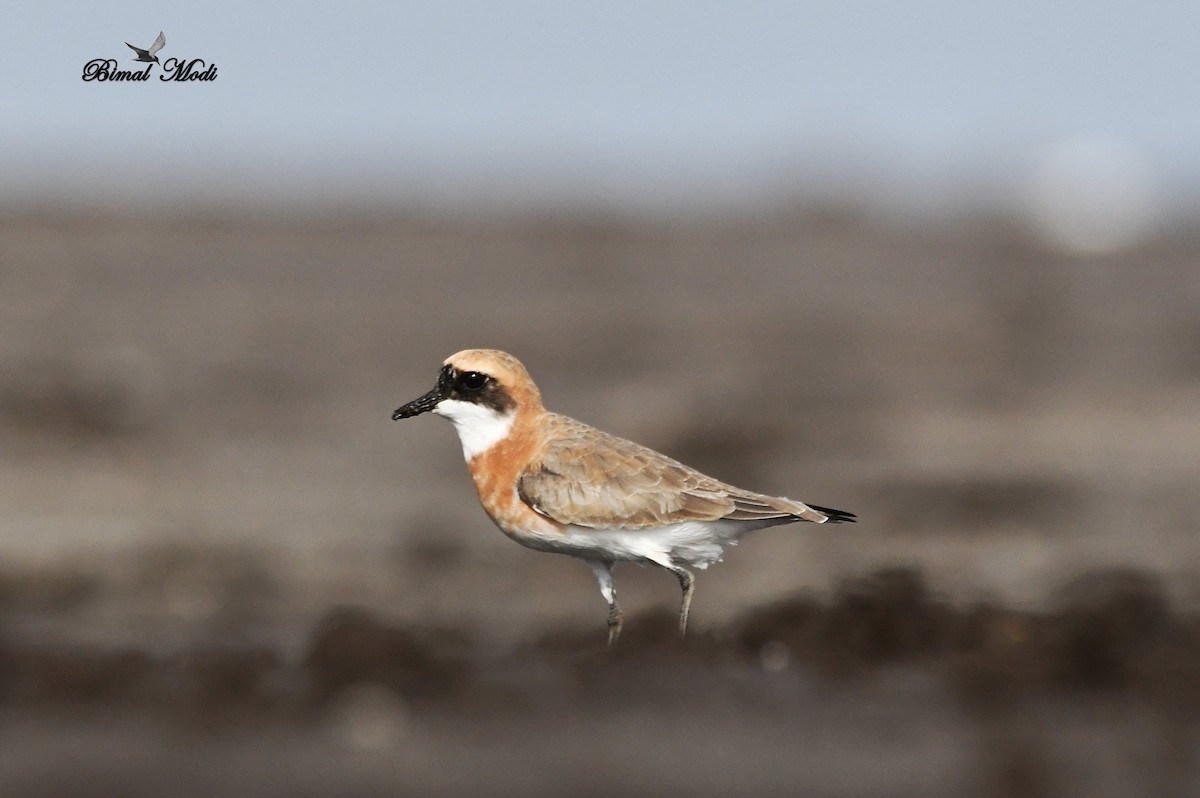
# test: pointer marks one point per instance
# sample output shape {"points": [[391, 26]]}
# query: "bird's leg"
{"points": [[614, 622], [603, 571], [688, 583]]}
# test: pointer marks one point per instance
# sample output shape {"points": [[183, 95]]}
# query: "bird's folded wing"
{"points": [[589, 478]]}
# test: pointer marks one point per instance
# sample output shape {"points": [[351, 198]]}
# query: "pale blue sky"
{"points": [[444, 99]]}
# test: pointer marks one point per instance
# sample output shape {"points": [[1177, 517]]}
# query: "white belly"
{"points": [[691, 543]]}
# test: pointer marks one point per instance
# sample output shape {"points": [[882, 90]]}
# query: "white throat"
{"points": [[479, 428]]}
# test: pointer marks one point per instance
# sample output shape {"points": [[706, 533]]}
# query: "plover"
{"points": [[558, 485]]}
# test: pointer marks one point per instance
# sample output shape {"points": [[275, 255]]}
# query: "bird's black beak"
{"points": [[422, 405]]}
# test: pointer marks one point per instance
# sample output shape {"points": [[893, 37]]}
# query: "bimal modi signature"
{"points": [[175, 69]]}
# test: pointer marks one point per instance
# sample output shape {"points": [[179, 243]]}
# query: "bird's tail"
{"points": [[832, 516], [772, 510]]}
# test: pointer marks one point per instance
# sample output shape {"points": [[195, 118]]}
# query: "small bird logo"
{"points": [[149, 54]]}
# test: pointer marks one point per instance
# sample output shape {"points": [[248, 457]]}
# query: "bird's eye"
{"points": [[472, 380]]}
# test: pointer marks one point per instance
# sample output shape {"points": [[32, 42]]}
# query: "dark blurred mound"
{"points": [[1112, 633]]}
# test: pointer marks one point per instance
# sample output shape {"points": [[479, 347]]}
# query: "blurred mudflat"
{"points": [[219, 557]]}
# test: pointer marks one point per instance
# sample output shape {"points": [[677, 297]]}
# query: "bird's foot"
{"points": [[615, 622]]}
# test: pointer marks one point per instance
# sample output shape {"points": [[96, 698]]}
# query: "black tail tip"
{"points": [[836, 516]]}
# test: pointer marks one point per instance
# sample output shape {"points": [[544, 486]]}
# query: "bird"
{"points": [[555, 484], [149, 55]]}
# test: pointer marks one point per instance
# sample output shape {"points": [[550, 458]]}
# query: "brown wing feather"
{"points": [[589, 478]]}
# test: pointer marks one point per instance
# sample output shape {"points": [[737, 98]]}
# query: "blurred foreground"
{"points": [[199, 469], [884, 690]]}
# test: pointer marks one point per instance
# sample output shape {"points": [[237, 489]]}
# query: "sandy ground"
{"points": [[224, 570]]}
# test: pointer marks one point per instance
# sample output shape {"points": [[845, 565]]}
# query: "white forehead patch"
{"points": [[479, 428]]}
